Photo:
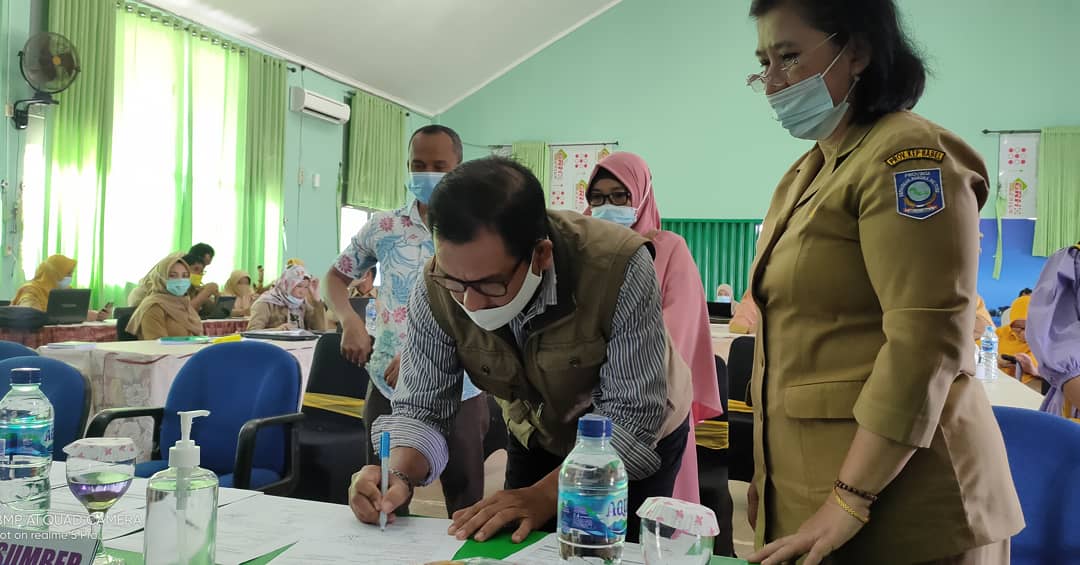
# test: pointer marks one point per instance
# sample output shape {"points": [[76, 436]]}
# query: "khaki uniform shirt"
{"points": [[865, 278], [266, 316]]}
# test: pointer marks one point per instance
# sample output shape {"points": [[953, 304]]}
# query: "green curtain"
{"points": [[263, 183], [147, 150], [79, 144], [537, 157], [1058, 203], [722, 249], [376, 154]]}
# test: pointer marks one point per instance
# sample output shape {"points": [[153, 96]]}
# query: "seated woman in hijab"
{"points": [[55, 273], [1053, 331], [724, 293], [621, 191], [1012, 341], [166, 310], [292, 304], [239, 287]]}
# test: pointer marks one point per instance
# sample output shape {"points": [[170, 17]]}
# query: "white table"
{"points": [[139, 373], [721, 339], [1007, 391]]}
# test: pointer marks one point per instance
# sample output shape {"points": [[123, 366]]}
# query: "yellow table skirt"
{"points": [[344, 405], [711, 434]]}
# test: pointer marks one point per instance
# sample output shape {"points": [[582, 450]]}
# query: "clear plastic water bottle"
{"points": [[988, 355], [371, 315], [592, 497], [26, 447]]}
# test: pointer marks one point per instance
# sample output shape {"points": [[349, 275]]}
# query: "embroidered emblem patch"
{"points": [[919, 194], [915, 153]]}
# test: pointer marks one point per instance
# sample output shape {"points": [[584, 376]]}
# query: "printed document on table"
{"points": [[405, 542]]}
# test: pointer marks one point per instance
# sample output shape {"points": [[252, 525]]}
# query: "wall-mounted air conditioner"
{"points": [[317, 105]]}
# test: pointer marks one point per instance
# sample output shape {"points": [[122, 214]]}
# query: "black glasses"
{"points": [[621, 198], [491, 289]]}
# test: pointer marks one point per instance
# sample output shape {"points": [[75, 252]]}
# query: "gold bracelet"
{"points": [[847, 508]]}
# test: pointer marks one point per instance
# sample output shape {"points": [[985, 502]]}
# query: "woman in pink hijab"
{"points": [[621, 191]]}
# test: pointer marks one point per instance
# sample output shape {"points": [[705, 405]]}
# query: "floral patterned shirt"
{"points": [[400, 243]]}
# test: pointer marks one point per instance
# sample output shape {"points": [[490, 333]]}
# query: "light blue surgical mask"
{"points": [[806, 108], [178, 287], [622, 215], [723, 299], [421, 185], [296, 302], [64, 282]]}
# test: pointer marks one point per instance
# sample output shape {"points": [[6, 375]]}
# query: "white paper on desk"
{"points": [[546, 551], [407, 541]]}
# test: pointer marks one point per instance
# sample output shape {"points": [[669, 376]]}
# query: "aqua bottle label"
{"points": [[602, 517]]}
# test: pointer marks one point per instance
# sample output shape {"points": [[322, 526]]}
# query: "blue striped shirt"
{"points": [[632, 389]]}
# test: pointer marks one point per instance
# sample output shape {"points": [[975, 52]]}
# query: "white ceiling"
{"points": [[424, 54]]}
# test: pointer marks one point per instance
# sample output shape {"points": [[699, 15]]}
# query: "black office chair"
{"points": [[333, 444], [740, 368], [123, 316], [712, 455]]}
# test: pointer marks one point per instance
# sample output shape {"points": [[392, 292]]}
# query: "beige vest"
{"points": [[545, 387]]}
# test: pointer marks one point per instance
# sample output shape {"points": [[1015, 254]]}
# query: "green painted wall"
{"points": [[667, 80], [317, 147]]}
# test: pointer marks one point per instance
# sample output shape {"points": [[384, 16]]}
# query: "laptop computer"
{"points": [[226, 303], [68, 305], [719, 312]]}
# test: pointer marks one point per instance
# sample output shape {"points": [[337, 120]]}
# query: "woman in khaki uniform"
{"points": [[293, 303], [166, 310], [873, 441]]}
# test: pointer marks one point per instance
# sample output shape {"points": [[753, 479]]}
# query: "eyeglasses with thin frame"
{"points": [[620, 198], [491, 289], [758, 81]]}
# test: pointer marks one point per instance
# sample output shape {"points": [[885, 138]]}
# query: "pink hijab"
{"points": [[686, 316]]}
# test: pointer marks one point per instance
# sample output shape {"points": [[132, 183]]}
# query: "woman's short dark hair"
{"points": [[493, 193], [896, 76]]}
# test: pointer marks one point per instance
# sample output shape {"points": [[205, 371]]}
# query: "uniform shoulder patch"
{"points": [[913, 153], [919, 194]]}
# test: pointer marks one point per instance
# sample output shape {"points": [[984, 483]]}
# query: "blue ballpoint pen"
{"points": [[384, 462]]}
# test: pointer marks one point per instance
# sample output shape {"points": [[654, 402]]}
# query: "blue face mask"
{"points": [[622, 215], [806, 108], [294, 300], [421, 185], [723, 299], [178, 287]]}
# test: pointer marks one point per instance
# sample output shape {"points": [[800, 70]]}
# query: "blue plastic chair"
{"points": [[1044, 455], [252, 390], [9, 349], [66, 388]]}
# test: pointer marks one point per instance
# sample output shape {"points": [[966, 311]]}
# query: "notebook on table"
{"points": [[281, 335]]}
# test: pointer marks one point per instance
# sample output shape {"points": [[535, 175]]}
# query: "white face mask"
{"points": [[492, 319], [806, 108], [64, 282]]}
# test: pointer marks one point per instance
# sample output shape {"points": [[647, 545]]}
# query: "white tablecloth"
{"points": [[721, 339], [139, 373], [1007, 391]]}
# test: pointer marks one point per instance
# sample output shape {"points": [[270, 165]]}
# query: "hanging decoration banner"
{"points": [[571, 166], [1018, 161]]}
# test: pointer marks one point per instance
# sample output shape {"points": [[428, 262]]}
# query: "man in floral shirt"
{"points": [[400, 243]]}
